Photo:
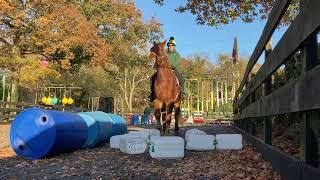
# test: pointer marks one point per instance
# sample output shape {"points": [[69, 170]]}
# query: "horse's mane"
{"points": [[162, 60]]}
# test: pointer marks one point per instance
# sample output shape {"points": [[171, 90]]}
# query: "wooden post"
{"points": [[202, 99], [212, 96], [267, 90], [217, 93], [309, 119], [198, 98], [207, 100], [188, 83]]}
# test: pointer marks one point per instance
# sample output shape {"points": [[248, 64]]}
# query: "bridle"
{"points": [[163, 59]]}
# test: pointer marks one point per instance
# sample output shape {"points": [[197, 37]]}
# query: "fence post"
{"points": [[309, 119], [268, 90]]}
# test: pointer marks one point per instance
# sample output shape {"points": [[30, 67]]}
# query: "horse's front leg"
{"points": [[167, 123], [157, 113], [163, 117], [177, 114]]}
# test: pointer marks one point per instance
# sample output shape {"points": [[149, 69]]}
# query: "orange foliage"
{"points": [[64, 27]]}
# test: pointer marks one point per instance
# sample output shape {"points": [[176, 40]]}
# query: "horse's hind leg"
{"points": [[157, 113], [177, 114]]}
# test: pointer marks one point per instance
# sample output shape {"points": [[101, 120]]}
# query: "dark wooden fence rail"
{"points": [[8, 110], [301, 96]]}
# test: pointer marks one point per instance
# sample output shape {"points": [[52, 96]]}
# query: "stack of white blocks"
{"points": [[115, 141], [228, 141], [166, 147], [200, 141], [172, 147], [134, 142]]}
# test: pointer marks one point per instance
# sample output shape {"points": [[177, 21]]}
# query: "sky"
{"points": [[192, 38]]}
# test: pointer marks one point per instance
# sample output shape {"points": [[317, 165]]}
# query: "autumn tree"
{"points": [[54, 29], [121, 25], [80, 37], [220, 12]]}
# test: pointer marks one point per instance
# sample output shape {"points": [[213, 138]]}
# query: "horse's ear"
{"points": [[154, 43], [164, 43]]}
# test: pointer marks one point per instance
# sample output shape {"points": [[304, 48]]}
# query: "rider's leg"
{"points": [[180, 79]]}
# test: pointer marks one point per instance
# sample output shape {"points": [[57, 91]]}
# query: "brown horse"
{"points": [[167, 90]]}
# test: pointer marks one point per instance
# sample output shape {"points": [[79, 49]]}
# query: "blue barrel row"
{"points": [[36, 133], [135, 119]]}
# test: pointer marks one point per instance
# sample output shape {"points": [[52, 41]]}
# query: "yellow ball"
{"points": [[70, 100], [49, 100], [64, 100], [44, 100]]}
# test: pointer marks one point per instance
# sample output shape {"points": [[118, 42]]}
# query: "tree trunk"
{"points": [[226, 92], [8, 92], [125, 88], [132, 90], [233, 89], [14, 92], [222, 93]]}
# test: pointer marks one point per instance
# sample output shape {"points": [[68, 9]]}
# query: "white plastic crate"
{"points": [[152, 132], [198, 142], [229, 141], [115, 141], [132, 144], [193, 131], [140, 134], [168, 147]]}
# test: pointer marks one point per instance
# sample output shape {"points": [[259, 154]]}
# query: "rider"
{"points": [[174, 58]]}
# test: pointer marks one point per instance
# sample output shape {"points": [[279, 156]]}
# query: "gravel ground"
{"points": [[4, 136], [106, 163]]}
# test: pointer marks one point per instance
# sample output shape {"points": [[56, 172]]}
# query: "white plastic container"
{"points": [[168, 147], [140, 134], [132, 144], [229, 141], [151, 133], [198, 142], [115, 141], [193, 131]]}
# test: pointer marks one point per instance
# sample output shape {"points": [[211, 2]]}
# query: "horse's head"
{"points": [[158, 53]]}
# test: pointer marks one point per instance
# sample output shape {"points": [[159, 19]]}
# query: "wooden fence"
{"points": [[300, 96], [8, 110]]}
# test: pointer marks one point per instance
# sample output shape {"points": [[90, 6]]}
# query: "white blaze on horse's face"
{"points": [[152, 56]]}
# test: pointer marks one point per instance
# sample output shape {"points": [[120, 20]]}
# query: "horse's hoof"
{"points": [[167, 132], [159, 127], [176, 133]]}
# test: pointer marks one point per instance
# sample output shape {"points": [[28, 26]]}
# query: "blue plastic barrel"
{"points": [[93, 130], [104, 123], [119, 124], [135, 119], [36, 133], [144, 119]]}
